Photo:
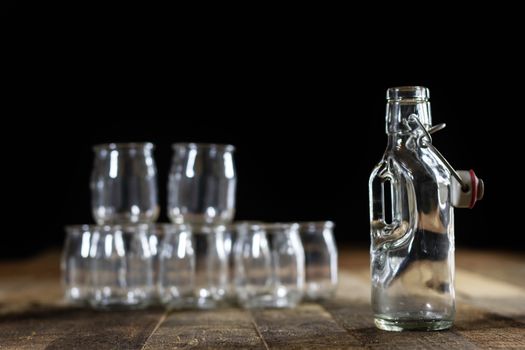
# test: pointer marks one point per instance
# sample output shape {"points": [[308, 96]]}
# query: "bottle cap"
{"points": [[467, 195]]}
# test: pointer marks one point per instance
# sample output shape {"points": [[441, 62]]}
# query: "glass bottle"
{"points": [[411, 222]]}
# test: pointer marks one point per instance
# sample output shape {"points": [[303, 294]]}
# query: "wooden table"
{"points": [[490, 314]]}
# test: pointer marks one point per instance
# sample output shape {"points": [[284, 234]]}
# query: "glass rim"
{"points": [[234, 225], [204, 228], [316, 224], [150, 227], [196, 145], [270, 226], [407, 93], [123, 145]]}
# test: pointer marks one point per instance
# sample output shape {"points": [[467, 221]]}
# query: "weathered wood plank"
{"points": [[24, 293], [43, 265], [491, 314], [26, 284], [356, 317], [481, 321], [35, 329], [307, 326], [67, 328], [496, 295], [354, 285], [501, 266], [493, 295], [488, 330], [214, 329]]}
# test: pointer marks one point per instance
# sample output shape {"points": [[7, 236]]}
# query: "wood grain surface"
{"points": [[490, 314]]}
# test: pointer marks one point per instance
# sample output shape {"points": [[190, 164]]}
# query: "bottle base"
{"points": [[412, 325]]}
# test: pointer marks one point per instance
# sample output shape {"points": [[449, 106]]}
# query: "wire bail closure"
{"points": [[471, 188]]}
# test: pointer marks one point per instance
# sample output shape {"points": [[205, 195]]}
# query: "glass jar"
{"points": [[76, 264], [202, 183], [193, 267], [411, 222], [121, 266], [320, 252], [269, 266], [124, 184], [176, 266]]}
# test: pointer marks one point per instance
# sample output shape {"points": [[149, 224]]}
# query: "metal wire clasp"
{"points": [[425, 141]]}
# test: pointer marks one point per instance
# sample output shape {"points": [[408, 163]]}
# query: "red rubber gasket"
{"points": [[474, 188]]}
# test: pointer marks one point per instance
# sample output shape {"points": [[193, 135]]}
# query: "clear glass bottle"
{"points": [[411, 222]]}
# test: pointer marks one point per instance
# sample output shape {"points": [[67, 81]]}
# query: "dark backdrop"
{"points": [[306, 113], [303, 153]]}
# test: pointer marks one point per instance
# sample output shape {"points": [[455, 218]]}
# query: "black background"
{"points": [[307, 120]]}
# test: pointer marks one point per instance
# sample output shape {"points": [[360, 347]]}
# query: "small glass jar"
{"points": [[176, 266], [202, 183], [124, 184], [76, 264], [269, 266], [320, 253], [230, 237], [193, 267], [121, 266]]}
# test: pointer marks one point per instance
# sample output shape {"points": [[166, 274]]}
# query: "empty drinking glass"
{"points": [[76, 264], [202, 182], [269, 265], [320, 259], [124, 184], [122, 266], [194, 268]]}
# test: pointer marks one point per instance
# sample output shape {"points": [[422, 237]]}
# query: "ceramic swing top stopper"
{"points": [[472, 190]]}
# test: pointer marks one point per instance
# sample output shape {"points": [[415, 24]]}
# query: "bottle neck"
{"points": [[397, 141], [398, 111]]}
